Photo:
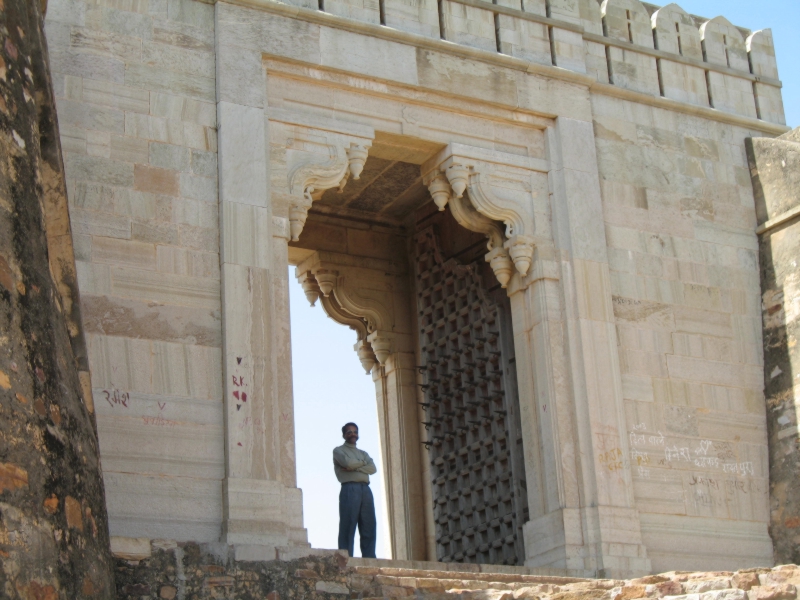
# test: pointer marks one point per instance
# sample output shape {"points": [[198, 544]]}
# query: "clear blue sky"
{"points": [[330, 387]]}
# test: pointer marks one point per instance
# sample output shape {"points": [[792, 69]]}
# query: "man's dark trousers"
{"points": [[356, 507]]}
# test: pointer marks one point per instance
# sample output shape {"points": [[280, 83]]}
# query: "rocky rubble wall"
{"points": [[775, 170], [53, 529], [188, 570]]}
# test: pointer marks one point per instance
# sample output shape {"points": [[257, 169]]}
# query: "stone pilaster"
{"points": [[602, 529], [262, 508]]}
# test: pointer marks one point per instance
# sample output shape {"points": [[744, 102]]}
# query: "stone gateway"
{"points": [[537, 217]]}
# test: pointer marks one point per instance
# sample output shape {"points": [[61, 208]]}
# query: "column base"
{"points": [[602, 541], [262, 513]]}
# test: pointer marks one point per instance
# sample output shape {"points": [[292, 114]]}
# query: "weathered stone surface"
{"points": [[637, 324], [53, 526], [775, 169], [207, 569]]}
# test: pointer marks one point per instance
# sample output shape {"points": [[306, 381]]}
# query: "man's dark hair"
{"points": [[346, 425]]}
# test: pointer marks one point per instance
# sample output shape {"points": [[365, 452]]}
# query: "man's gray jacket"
{"points": [[347, 456]]}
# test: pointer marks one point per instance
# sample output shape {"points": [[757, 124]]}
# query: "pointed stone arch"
{"points": [[365, 294]]}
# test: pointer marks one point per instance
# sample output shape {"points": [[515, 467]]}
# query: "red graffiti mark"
{"points": [[240, 395], [238, 381], [256, 423], [285, 416], [115, 397], [238, 443]]}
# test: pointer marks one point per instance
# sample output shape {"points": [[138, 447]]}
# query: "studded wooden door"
{"points": [[472, 411]]}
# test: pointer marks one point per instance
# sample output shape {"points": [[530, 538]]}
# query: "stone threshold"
{"points": [[404, 568], [478, 572]]}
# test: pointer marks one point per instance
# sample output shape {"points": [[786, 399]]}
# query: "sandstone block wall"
{"points": [[680, 227], [135, 90], [647, 292]]}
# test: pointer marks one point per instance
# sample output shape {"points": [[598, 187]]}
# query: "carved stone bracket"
{"points": [[472, 170], [345, 300], [314, 173], [332, 308], [469, 218]]}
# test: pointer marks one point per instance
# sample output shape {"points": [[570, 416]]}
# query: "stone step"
{"points": [[499, 573]]}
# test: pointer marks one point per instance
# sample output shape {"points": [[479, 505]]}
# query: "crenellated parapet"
{"points": [[663, 52]]}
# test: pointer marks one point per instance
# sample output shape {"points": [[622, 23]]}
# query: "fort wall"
{"points": [[646, 299], [135, 89]]}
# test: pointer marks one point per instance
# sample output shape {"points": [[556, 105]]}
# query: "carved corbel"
{"points": [[501, 265], [439, 188], [356, 157], [472, 170], [326, 280], [375, 312], [519, 223], [362, 347], [520, 249], [458, 176], [309, 179], [469, 218], [310, 287], [334, 310], [366, 309], [366, 355], [381, 342]]}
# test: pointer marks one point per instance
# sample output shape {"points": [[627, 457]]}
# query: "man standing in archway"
{"points": [[356, 505]]}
